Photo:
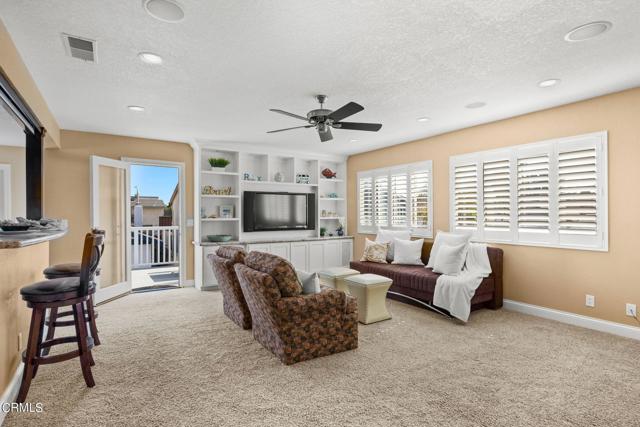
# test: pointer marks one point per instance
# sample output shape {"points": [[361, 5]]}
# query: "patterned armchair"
{"points": [[234, 304], [293, 326]]}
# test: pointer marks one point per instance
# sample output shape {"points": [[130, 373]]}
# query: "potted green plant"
{"points": [[218, 164], [323, 231]]}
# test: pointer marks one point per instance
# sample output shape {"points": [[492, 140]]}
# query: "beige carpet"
{"points": [[172, 358]]}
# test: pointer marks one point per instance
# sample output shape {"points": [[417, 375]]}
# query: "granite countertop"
{"points": [[14, 241], [249, 242]]}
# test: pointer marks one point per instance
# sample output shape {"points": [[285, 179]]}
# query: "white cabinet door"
{"points": [[316, 256], [280, 249], [208, 278], [299, 255], [332, 256], [347, 252], [259, 248]]}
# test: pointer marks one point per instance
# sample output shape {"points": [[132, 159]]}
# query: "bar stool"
{"points": [[70, 270], [71, 292]]}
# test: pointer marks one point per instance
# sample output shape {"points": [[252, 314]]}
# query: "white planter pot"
{"points": [[218, 169]]}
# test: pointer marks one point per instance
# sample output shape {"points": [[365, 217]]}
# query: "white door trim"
{"points": [[123, 287], [182, 207], [5, 168]]}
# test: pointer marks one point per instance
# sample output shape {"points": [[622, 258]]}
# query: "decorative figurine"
{"points": [[328, 173]]}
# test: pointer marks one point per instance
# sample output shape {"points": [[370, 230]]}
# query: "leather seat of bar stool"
{"points": [[63, 287], [70, 269]]}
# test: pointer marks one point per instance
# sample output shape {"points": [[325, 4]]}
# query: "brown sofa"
{"points": [[293, 326], [419, 282]]}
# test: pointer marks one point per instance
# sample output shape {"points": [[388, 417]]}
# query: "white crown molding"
{"points": [[574, 319]]}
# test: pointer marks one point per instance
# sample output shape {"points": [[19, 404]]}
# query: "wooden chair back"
{"points": [[91, 255]]}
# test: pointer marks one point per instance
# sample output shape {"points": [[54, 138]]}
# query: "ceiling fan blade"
{"points": [[371, 127], [325, 136], [288, 114], [296, 127], [346, 111]]}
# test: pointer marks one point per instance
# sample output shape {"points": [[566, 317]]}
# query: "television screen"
{"points": [[270, 211]]}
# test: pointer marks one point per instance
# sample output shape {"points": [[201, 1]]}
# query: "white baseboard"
{"points": [[11, 392], [574, 319], [189, 283], [210, 288]]}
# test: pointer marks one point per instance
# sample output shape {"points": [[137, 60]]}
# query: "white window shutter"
{"points": [[419, 184], [496, 195], [399, 202], [577, 192], [466, 196], [381, 200], [533, 194], [365, 192]]}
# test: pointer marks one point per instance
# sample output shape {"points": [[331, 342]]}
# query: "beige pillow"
{"points": [[375, 252]]}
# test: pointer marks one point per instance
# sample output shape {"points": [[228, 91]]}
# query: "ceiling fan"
{"points": [[323, 119]]}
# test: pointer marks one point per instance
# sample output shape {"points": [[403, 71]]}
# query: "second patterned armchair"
{"points": [[234, 305], [293, 326]]}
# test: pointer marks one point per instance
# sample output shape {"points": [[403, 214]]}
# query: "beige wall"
{"points": [[14, 69], [15, 156], [555, 278], [18, 268], [67, 182]]}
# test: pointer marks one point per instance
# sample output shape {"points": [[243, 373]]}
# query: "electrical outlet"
{"points": [[590, 301], [19, 341], [631, 310]]}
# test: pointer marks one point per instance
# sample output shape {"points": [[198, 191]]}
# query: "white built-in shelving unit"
{"points": [[262, 167]]}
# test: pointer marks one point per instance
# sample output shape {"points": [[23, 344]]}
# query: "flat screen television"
{"points": [[272, 211]]}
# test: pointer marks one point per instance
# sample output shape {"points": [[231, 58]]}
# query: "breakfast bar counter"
{"points": [[13, 241]]}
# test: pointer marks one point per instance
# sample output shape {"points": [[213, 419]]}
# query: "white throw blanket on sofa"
{"points": [[454, 293]]}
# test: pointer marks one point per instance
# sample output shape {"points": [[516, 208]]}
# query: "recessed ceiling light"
{"points": [[476, 105], [135, 108], [164, 10], [588, 31], [548, 83], [354, 140], [150, 58], [423, 119]]}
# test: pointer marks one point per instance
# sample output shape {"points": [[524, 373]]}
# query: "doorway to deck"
{"points": [[157, 224]]}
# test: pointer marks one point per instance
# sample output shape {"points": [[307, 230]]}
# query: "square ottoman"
{"points": [[334, 277], [371, 292]]}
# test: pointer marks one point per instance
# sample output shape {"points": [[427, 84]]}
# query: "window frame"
{"points": [[408, 168], [552, 148]]}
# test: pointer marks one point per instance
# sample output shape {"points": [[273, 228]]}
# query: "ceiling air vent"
{"points": [[81, 48]]}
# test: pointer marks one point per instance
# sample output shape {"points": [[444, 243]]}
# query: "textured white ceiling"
{"points": [[228, 62]]}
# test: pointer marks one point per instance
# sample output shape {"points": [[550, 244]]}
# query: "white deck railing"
{"points": [[154, 246]]}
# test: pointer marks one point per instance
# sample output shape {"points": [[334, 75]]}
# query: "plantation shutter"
{"points": [[577, 192], [497, 195], [420, 199], [466, 196], [366, 201], [399, 203], [381, 200], [533, 194]]}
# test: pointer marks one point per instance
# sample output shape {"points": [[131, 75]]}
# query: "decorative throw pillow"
{"points": [[443, 237], [375, 252], [310, 282], [450, 259], [407, 251], [388, 236]]}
